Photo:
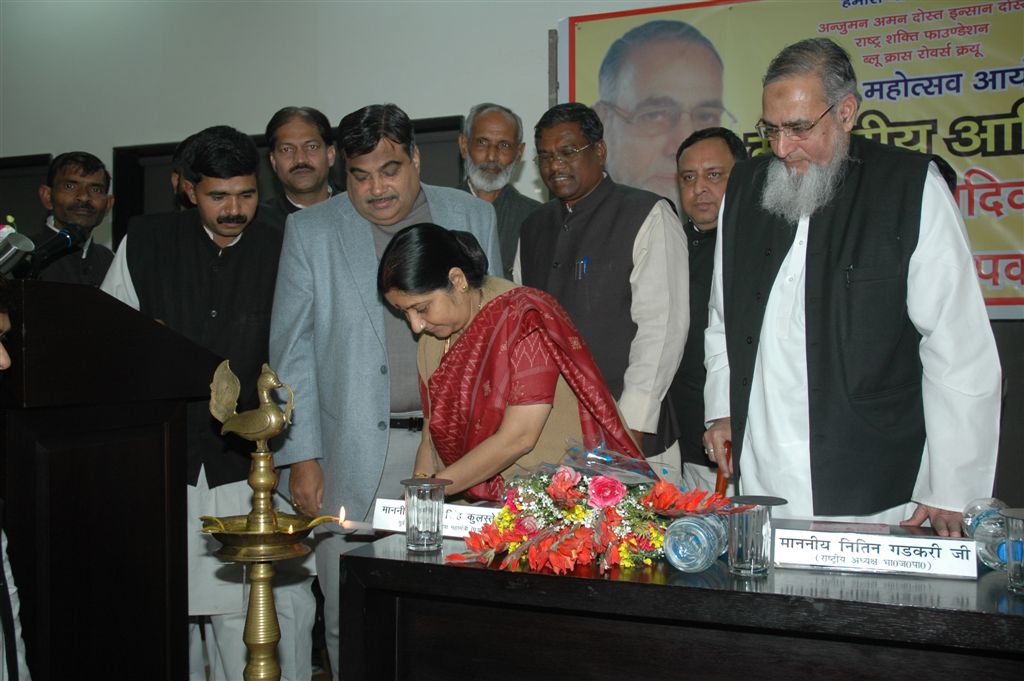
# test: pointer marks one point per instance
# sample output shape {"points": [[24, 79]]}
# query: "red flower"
{"points": [[605, 492], [663, 497], [539, 552], [607, 522], [483, 545], [666, 499], [583, 545], [563, 487], [489, 537], [560, 550]]}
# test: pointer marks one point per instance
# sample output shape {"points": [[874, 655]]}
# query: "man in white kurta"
{"points": [[960, 375]]}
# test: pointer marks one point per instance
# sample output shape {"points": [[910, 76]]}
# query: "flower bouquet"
{"points": [[571, 516]]}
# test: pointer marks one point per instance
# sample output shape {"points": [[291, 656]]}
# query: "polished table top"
{"points": [[983, 613], [987, 594]]}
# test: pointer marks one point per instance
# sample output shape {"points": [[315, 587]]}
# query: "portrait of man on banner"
{"points": [[946, 79], [658, 83]]}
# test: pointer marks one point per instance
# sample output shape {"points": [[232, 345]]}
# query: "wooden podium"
{"points": [[93, 473]]}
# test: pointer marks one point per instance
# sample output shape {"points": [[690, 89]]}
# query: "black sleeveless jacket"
{"points": [[863, 367]]}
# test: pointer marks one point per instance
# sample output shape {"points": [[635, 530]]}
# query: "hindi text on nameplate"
{"points": [[459, 519], [872, 548]]}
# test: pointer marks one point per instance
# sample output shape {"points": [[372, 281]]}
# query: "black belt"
{"points": [[413, 423]]}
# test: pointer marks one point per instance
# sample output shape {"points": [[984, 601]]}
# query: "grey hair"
{"points": [[489, 107], [653, 31], [819, 56]]}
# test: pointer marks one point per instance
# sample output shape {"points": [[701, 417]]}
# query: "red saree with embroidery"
{"points": [[473, 385]]}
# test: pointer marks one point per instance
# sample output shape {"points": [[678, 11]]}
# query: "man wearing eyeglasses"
{"points": [[658, 83], [850, 358], [492, 148], [615, 258]]}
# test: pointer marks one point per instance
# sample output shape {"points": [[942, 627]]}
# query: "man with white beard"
{"points": [[848, 348], [492, 148]]}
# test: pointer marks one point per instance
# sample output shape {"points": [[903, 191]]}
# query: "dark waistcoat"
{"points": [[687, 389], [218, 298], [583, 258], [863, 367]]}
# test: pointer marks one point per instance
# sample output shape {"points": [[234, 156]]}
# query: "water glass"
{"points": [[750, 536], [1014, 548], [424, 513]]}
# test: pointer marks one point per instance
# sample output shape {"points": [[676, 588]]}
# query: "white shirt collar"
{"points": [[234, 241], [330, 193]]}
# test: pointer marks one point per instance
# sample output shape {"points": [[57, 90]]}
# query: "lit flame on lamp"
{"points": [[349, 525], [340, 519]]}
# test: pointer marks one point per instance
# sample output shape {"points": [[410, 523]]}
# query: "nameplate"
{"points": [[850, 547], [459, 519]]}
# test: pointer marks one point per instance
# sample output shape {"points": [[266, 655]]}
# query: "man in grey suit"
{"points": [[351, 360]]}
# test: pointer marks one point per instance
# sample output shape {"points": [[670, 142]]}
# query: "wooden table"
{"points": [[406, 616]]}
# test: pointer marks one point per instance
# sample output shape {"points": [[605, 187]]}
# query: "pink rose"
{"points": [[605, 492]]}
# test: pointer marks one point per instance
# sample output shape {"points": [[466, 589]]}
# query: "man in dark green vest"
{"points": [[850, 359]]}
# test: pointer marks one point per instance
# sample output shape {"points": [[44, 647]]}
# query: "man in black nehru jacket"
{"points": [[210, 276]]}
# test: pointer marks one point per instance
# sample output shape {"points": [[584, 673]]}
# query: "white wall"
{"points": [[95, 74]]}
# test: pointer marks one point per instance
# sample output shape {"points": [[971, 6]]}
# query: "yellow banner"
{"points": [[936, 76]]}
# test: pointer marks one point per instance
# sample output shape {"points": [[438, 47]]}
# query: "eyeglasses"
{"points": [[649, 121], [797, 131], [566, 155]]}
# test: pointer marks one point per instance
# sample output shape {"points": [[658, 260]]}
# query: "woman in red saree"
{"points": [[505, 377]]}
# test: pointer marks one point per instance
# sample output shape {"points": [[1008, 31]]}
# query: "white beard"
{"points": [[791, 195], [488, 182]]}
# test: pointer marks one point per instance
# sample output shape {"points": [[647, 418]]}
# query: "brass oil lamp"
{"points": [[264, 535]]}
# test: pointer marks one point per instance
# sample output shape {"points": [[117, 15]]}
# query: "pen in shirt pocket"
{"points": [[581, 267]]}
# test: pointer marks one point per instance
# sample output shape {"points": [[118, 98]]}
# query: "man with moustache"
{"points": [[850, 358], [657, 83], [302, 154], [705, 160], [492, 148], [350, 359], [210, 276], [77, 194], [615, 258]]}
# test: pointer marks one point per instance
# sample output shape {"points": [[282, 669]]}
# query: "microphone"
{"points": [[57, 245], [14, 246]]}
